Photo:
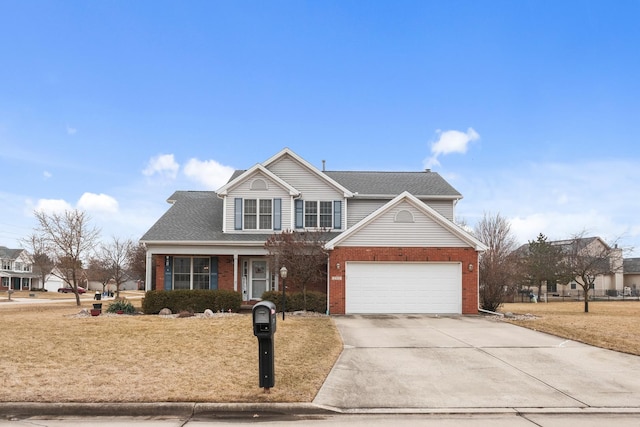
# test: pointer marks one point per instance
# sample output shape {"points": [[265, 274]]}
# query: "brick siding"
{"points": [[379, 254]]}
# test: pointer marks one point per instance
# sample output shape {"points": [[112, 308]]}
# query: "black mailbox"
{"points": [[264, 326], [264, 319]]}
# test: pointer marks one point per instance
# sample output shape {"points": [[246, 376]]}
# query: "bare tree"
{"points": [[588, 258], [496, 268], [115, 256], [70, 239], [137, 261], [303, 254], [36, 245], [100, 271]]}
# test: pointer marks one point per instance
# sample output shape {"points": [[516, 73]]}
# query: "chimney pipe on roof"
{"points": [[323, 164]]}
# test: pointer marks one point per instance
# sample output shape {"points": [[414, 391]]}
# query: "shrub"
{"points": [[316, 301], [227, 300], [195, 301], [121, 305]]}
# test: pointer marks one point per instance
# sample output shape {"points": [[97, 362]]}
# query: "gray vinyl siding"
{"points": [[358, 209], [423, 232], [244, 191], [443, 207], [311, 185]]}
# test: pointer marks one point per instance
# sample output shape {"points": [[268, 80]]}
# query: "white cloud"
{"points": [[71, 131], [163, 165], [557, 199], [208, 172], [46, 174], [450, 141], [52, 206], [101, 203]]}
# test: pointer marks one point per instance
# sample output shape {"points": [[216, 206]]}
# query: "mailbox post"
{"points": [[264, 326]]}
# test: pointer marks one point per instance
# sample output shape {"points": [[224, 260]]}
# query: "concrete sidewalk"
{"points": [[468, 363]]}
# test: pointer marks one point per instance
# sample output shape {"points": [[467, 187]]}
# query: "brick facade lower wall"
{"points": [[341, 255]]}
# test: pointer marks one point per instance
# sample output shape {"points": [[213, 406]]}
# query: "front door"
{"points": [[258, 280]]}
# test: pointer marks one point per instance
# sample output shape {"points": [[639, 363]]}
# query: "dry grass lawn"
{"points": [[51, 355], [609, 324]]}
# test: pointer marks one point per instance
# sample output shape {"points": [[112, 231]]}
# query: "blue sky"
{"points": [[528, 108]]}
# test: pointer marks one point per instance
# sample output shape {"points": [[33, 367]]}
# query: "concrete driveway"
{"points": [[418, 362]]}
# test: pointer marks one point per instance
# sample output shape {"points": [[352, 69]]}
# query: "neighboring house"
{"points": [[631, 267], [53, 282], [16, 270], [129, 285], [393, 247], [604, 284]]}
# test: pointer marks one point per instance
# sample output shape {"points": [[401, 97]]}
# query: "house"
{"points": [[610, 283], [394, 247], [631, 270], [16, 270]]}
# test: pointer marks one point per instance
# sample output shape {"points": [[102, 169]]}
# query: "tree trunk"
{"points": [[586, 301], [77, 298]]}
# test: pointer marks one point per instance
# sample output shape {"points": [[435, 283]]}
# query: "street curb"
{"points": [[177, 409], [187, 410]]}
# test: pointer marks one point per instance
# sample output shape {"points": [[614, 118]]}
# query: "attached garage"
{"points": [[403, 287]]}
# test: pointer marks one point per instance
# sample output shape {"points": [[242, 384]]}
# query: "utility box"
{"points": [[264, 326]]}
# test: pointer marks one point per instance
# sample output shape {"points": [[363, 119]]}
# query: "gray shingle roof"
{"points": [[631, 265], [364, 183], [194, 216], [12, 254], [393, 183]]}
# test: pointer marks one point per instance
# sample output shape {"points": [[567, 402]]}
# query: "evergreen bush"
{"points": [[194, 301]]}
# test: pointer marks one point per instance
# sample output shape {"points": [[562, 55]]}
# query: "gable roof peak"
{"points": [[222, 191], [288, 152]]}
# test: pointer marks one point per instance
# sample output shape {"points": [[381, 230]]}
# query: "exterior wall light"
{"points": [[470, 267]]}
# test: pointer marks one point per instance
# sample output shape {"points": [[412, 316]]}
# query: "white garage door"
{"points": [[403, 287]]}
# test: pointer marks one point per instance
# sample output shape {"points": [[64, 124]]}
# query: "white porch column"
{"points": [[148, 271], [235, 272]]}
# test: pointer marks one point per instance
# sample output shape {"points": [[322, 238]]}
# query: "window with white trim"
{"points": [[318, 214], [258, 214], [191, 272]]}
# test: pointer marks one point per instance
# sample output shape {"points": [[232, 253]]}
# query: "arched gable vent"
{"points": [[404, 216], [259, 184]]}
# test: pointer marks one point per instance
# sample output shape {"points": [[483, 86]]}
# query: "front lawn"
{"points": [[609, 324], [51, 355]]}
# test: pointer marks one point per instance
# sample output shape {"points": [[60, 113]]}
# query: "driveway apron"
{"points": [[431, 362]]}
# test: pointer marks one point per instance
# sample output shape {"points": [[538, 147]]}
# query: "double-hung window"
{"points": [[191, 272], [258, 214], [320, 214]]}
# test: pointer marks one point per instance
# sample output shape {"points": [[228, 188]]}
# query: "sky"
{"points": [[528, 108]]}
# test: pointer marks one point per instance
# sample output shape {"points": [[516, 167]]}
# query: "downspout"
{"points": [[490, 312]]}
